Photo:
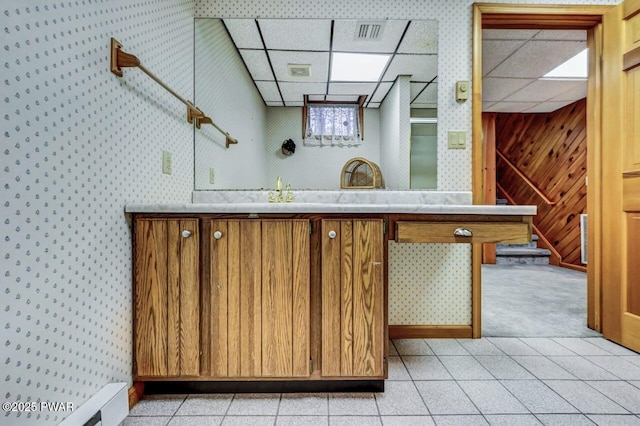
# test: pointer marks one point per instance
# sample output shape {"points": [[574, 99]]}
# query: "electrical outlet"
{"points": [[457, 139], [212, 176], [166, 162]]}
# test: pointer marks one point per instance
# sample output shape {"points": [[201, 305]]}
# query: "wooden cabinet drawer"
{"points": [[479, 232]]}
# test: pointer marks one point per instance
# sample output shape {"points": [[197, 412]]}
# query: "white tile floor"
{"points": [[497, 381]]}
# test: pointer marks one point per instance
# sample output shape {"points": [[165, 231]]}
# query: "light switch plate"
{"points": [[457, 139], [212, 176], [166, 162]]}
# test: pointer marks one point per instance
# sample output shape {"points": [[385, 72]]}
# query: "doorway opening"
{"points": [[537, 26]]}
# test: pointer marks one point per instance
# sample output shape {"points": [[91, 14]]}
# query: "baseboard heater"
{"points": [[108, 407], [583, 238]]}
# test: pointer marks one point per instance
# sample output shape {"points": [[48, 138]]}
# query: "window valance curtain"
{"points": [[332, 125]]}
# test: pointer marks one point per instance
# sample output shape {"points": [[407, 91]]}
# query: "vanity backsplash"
{"points": [[337, 197]]}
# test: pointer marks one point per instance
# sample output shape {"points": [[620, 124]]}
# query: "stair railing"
{"points": [[555, 255], [525, 178]]}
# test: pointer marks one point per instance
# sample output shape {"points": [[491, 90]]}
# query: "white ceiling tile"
{"points": [[374, 105], [416, 88], [319, 62], [508, 34], [269, 91], [344, 32], [547, 106], [510, 106], [316, 97], [244, 33], [426, 105], [542, 90], [295, 104], [496, 89], [428, 95], [494, 52], [351, 88], [421, 37], [572, 95], [381, 92], [419, 67], [294, 92], [257, 64], [486, 106], [537, 58], [296, 34], [561, 35], [343, 98], [274, 104]]}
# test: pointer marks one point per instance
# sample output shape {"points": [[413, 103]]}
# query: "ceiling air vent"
{"points": [[299, 70], [369, 30]]}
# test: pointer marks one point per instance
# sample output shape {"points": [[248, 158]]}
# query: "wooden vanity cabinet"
{"points": [[353, 298], [166, 298], [256, 298]]}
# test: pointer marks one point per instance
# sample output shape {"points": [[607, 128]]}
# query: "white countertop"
{"points": [[363, 208]]}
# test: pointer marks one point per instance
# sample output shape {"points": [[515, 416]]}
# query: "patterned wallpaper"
{"points": [[226, 93], [78, 143], [429, 284]]}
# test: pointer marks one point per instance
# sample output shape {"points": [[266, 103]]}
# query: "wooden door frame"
{"points": [[518, 16]]}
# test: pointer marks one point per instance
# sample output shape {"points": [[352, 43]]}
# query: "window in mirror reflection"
{"points": [[424, 149], [332, 125]]}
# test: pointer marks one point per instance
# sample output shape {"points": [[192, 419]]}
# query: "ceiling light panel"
{"points": [[357, 66], [576, 67], [318, 61], [381, 92], [494, 52], [496, 89], [425, 67], [537, 58], [344, 37], [296, 34], [294, 92], [542, 90], [421, 38], [257, 64], [244, 33]]}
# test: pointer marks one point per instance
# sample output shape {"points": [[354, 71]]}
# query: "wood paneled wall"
{"points": [[551, 150]]}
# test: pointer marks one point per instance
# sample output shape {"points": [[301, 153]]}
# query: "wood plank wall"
{"points": [[551, 150]]}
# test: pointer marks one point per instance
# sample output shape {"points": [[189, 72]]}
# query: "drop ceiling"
{"points": [[269, 46], [514, 61]]}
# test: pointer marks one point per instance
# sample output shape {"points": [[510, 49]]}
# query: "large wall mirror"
{"points": [[252, 76]]}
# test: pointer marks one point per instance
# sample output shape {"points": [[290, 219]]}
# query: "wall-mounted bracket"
{"points": [[121, 59]]}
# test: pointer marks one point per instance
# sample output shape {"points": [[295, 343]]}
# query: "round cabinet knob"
{"points": [[332, 234], [217, 235], [186, 234]]}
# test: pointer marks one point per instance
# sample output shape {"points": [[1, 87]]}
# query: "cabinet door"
{"points": [[167, 299], [259, 298], [353, 305]]}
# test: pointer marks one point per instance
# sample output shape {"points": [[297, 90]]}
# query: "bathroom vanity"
{"points": [[256, 291]]}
